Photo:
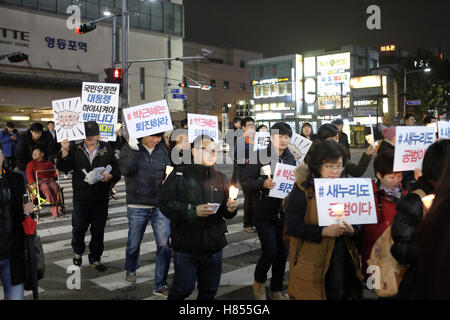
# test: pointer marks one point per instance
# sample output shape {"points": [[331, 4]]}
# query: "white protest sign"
{"points": [[68, 120], [284, 178], [299, 147], [262, 140], [147, 119], [101, 104], [410, 146], [444, 129], [356, 194], [200, 124]]}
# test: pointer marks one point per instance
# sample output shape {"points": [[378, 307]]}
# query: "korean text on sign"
{"points": [[284, 179], [262, 140], [356, 194], [411, 144], [148, 119], [200, 124]]}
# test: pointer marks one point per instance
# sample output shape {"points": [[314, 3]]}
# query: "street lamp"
{"points": [[404, 84]]}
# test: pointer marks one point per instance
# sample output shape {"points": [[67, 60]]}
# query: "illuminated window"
{"points": [[258, 107], [273, 106], [282, 89], [274, 90], [265, 107], [257, 91], [289, 89], [265, 90]]}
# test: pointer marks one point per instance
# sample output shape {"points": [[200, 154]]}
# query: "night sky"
{"points": [[281, 27]]}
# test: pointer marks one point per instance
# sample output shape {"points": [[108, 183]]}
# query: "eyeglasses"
{"points": [[209, 151], [333, 168]]}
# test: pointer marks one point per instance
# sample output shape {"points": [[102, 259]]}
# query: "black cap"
{"points": [[337, 121], [91, 128]]}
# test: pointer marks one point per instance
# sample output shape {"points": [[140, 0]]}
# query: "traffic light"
{"points": [[84, 28], [114, 75], [183, 84], [17, 57]]}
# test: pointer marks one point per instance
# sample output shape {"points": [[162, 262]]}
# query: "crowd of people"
{"points": [[188, 208]]}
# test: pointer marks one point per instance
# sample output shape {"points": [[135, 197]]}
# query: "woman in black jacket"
{"points": [[410, 212]]}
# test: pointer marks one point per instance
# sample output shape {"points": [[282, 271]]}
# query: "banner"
{"points": [[284, 179], [444, 129], [356, 196], [101, 104], [68, 119], [262, 140], [299, 147], [200, 124], [410, 146], [147, 119]]}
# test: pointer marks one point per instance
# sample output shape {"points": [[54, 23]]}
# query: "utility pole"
{"points": [[124, 56]]}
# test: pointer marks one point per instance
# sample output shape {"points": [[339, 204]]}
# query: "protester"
{"points": [[410, 119], [184, 124], [410, 212], [90, 201], [429, 119], [343, 138], [269, 218], [262, 128], [144, 167], [433, 258], [197, 233], [12, 233], [116, 146], [35, 136], [387, 191], [242, 149], [46, 175], [330, 132], [237, 123], [8, 140], [323, 261], [307, 131]]}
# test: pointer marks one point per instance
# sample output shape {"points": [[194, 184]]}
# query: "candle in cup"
{"points": [[267, 170], [169, 169], [369, 139], [428, 201], [338, 210], [233, 192]]}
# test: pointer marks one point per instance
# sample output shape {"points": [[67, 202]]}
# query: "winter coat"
{"points": [[77, 160], [386, 210], [35, 165], [184, 189], [9, 146], [343, 140], [239, 161], [315, 260], [264, 207], [143, 173], [26, 145], [404, 229]]}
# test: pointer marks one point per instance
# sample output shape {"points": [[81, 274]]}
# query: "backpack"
{"points": [[391, 272]]}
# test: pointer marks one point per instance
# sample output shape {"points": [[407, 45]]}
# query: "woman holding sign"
{"points": [[323, 260]]}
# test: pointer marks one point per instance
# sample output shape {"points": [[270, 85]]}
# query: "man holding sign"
{"points": [[269, 218]]}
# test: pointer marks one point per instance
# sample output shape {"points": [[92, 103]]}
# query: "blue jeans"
{"points": [[137, 222], [189, 268], [11, 292]]}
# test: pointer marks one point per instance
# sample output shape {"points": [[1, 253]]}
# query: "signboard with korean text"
{"points": [[147, 119], [299, 147], [410, 146], [356, 196], [284, 178], [262, 140], [444, 129], [101, 104], [340, 61], [68, 119], [201, 124]]}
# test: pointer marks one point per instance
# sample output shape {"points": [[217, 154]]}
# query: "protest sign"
{"points": [[299, 147], [200, 124], [262, 140], [147, 119], [284, 179], [444, 129], [410, 146], [68, 120], [356, 194], [101, 104]]}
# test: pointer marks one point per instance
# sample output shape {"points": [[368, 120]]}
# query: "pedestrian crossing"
{"points": [[239, 256]]}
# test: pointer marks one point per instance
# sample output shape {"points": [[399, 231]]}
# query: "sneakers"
{"points": [[278, 295], [130, 277], [250, 229], [163, 292], [76, 258], [97, 265], [259, 291]]}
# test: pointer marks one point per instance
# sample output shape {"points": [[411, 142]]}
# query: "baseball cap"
{"points": [[91, 128]]}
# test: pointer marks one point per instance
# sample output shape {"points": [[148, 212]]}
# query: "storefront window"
{"points": [[265, 107], [274, 90], [289, 89], [257, 91], [282, 89], [265, 90]]}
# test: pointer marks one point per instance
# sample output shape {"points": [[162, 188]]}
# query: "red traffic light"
{"points": [[182, 85], [87, 27], [113, 75], [117, 73]]}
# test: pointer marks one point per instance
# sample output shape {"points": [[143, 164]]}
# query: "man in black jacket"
{"points": [[343, 138], [269, 217], [90, 201], [189, 198], [144, 168]]}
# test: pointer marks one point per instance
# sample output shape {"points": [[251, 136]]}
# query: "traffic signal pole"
{"points": [[124, 56]]}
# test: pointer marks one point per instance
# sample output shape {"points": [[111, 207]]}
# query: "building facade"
{"points": [[59, 59]]}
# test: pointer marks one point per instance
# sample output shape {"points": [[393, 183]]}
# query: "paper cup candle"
{"points": [[369, 139], [267, 171], [233, 192], [338, 210], [428, 201], [169, 169]]}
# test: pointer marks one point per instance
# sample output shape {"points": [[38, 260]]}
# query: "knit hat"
{"points": [[91, 128], [389, 133]]}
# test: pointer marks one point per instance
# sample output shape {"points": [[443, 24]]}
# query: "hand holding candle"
{"points": [[428, 201], [338, 210], [233, 192], [169, 170], [267, 170], [369, 139]]}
